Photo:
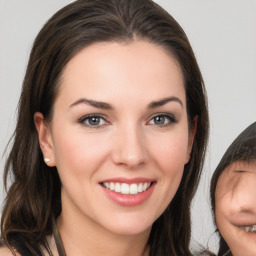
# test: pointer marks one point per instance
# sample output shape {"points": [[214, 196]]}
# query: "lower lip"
{"points": [[129, 200]]}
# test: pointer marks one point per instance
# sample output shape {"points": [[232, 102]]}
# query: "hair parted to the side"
{"points": [[242, 149], [34, 195]]}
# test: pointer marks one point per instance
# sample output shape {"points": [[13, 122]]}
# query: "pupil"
{"points": [[159, 120], [94, 121]]}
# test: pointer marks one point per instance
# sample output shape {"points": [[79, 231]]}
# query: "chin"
{"points": [[128, 228]]}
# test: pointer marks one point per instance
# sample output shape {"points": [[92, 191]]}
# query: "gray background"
{"points": [[223, 36]]}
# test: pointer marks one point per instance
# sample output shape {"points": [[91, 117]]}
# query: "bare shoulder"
{"points": [[5, 251]]}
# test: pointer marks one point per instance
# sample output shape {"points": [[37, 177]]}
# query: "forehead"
{"points": [[240, 166], [236, 172], [133, 66]]}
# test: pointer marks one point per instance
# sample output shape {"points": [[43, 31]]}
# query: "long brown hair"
{"points": [[242, 149], [34, 195]]}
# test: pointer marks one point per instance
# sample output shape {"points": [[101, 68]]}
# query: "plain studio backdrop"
{"points": [[223, 36]]}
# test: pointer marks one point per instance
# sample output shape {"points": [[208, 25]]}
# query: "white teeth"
{"points": [[133, 189], [106, 184], [250, 229], [140, 188], [144, 186], [127, 189], [112, 186], [118, 188]]}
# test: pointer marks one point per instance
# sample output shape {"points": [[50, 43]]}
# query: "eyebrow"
{"points": [[107, 106], [96, 104], [162, 102]]}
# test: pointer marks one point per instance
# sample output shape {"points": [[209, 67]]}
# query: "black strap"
{"points": [[58, 240]]}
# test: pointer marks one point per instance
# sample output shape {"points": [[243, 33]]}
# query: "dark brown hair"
{"points": [[34, 195], [242, 149]]}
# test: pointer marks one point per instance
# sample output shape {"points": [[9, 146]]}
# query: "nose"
{"points": [[244, 197], [129, 147]]}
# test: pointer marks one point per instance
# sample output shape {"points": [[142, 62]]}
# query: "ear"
{"points": [[45, 139], [191, 138]]}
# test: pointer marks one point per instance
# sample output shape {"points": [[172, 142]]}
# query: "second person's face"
{"points": [[119, 135], [236, 207]]}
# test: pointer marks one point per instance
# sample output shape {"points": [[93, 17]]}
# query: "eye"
{"points": [[94, 121], [162, 120]]}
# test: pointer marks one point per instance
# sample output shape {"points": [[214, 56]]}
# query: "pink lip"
{"points": [[242, 219], [129, 200]]}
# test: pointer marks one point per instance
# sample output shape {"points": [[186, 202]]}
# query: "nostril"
{"points": [[129, 157]]}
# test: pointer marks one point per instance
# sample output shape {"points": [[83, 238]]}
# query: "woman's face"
{"points": [[119, 135], [236, 207]]}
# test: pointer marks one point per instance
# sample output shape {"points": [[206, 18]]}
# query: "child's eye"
{"points": [[240, 171], [162, 120], [94, 121]]}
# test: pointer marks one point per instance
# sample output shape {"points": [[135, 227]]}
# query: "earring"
{"points": [[46, 160]]}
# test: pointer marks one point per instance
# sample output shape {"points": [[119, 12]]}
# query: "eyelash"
{"points": [[89, 117], [85, 120], [170, 119]]}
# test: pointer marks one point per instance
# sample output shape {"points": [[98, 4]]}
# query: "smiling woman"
{"points": [[110, 138], [107, 153], [233, 196]]}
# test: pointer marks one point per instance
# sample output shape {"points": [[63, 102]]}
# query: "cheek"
{"points": [[170, 157], [219, 214], [223, 201], [76, 153], [224, 195], [171, 152]]}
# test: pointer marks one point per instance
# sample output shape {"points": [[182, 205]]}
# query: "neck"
{"points": [[82, 236]]}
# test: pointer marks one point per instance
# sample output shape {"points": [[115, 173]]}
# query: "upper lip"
{"points": [[242, 219], [244, 226], [128, 180]]}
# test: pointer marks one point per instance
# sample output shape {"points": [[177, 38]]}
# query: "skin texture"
{"points": [[127, 142], [4, 251], [236, 207]]}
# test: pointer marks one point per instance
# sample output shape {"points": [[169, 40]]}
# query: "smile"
{"points": [[249, 229], [127, 189], [128, 192]]}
